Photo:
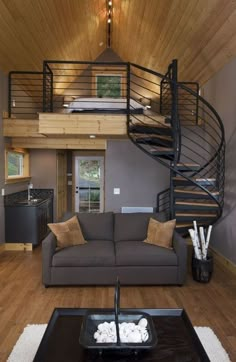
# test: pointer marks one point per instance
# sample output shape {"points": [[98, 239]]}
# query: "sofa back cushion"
{"points": [[97, 226], [133, 226]]}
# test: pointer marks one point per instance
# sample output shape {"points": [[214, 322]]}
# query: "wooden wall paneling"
{"points": [[82, 124], [61, 143], [21, 128], [200, 34]]}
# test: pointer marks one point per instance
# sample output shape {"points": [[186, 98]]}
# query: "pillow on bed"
{"points": [[68, 233], [160, 233]]}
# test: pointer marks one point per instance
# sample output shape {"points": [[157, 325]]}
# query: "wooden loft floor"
{"points": [[24, 300], [69, 131]]}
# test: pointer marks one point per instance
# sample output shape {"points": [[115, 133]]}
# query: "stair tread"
{"points": [[194, 214], [182, 225], [153, 125], [167, 149], [168, 138], [196, 179], [183, 164], [215, 193], [206, 204]]}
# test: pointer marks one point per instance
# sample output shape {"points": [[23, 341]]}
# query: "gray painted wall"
{"points": [[138, 176], [220, 91], [43, 170]]}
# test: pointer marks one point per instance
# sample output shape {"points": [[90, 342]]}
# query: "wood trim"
{"points": [[223, 260], [18, 247], [17, 180], [62, 143]]}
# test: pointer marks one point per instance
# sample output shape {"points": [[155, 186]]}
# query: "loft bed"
{"points": [[104, 105]]}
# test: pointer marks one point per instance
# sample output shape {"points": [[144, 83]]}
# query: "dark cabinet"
{"points": [[27, 224]]}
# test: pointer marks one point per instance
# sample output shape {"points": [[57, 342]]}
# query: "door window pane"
{"points": [[89, 185]]}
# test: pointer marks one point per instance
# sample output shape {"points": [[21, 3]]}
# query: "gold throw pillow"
{"points": [[68, 233], [160, 233]]}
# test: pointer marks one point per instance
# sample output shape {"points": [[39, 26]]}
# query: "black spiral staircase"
{"points": [[183, 132]]}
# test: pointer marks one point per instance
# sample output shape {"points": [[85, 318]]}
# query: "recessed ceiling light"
{"points": [[92, 136]]}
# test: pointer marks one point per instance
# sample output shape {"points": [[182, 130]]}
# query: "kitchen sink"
{"points": [[29, 202]]}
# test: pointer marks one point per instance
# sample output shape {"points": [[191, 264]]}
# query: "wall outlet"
{"points": [[116, 191], [3, 192]]}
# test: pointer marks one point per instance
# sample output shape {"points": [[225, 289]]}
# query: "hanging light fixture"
{"points": [[109, 22]]}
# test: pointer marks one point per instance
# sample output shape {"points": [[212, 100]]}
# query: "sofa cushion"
{"points": [[68, 233], [133, 226], [160, 233], [96, 226], [93, 253], [136, 253]]}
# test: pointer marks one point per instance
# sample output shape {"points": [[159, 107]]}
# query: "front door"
{"points": [[89, 184]]}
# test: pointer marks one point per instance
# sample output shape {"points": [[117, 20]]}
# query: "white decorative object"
{"points": [[203, 243], [200, 244], [197, 251], [129, 332]]}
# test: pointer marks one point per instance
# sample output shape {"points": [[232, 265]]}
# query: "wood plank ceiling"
{"points": [[201, 34]]}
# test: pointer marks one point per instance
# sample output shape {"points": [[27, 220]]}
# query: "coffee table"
{"points": [[177, 339]]}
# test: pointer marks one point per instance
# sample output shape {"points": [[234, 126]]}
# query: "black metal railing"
{"points": [[76, 86], [163, 201], [25, 94]]}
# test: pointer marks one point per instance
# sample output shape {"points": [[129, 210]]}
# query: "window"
{"points": [[108, 86], [107, 82], [16, 164]]}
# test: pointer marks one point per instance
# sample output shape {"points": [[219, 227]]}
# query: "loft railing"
{"points": [[25, 94]]}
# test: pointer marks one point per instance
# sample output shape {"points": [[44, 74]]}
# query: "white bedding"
{"points": [[80, 104]]}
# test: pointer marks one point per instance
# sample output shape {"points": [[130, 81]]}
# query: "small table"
{"points": [[177, 339]]}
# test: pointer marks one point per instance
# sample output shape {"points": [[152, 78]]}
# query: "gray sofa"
{"points": [[114, 249]]}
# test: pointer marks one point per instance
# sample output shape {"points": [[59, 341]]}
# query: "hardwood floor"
{"points": [[24, 300]]}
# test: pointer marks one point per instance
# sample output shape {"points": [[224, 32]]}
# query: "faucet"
{"points": [[30, 186]]}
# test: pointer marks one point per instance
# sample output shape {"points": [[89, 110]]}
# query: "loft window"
{"points": [[108, 86], [16, 164], [109, 82]]}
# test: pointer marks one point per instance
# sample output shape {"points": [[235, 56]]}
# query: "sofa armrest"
{"points": [[180, 247], [48, 249]]}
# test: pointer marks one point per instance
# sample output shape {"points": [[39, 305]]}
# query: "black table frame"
{"points": [[193, 344]]}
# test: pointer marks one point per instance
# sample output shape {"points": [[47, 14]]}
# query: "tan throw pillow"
{"points": [[68, 233], [160, 233]]}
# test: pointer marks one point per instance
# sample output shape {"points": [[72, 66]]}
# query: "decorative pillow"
{"points": [[68, 233], [160, 233]]}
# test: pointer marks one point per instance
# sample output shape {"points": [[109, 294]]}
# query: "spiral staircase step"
{"points": [[179, 180], [161, 151], [185, 205], [185, 216], [193, 194], [150, 129], [158, 140], [188, 167]]}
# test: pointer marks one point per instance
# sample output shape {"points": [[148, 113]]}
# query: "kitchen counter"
{"points": [[21, 198], [26, 221]]}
